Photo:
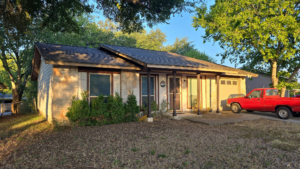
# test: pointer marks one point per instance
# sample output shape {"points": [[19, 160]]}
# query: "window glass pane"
{"points": [[99, 84], [145, 84], [177, 83], [192, 92], [145, 100], [271, 92], [255, 94]]}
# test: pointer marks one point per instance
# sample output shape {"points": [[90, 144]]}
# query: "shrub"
{"points": [[79, 111], [104, 110], [131, 109], [115, 108]]}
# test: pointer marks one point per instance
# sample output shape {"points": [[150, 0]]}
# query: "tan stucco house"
{"points": [[65, 71]]}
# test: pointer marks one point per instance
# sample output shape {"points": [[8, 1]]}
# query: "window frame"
{"points": [[110, 84], [141, 88]]}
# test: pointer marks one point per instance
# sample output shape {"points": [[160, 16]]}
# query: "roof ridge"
{"points": [[61, 45], [136, 48]]}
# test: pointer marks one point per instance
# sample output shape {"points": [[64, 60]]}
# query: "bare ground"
{"points": [[165, 143]]}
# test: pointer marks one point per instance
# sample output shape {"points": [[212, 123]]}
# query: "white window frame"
{"points": [[110, 76], [154, 90]]}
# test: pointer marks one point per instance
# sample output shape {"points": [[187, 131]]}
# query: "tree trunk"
{"points": [[283, 91], [274, 74], [15, 106]]}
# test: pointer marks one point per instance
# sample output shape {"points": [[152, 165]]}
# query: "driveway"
{"points": [[269, 116]]}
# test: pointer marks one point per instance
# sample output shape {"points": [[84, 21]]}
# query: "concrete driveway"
{"points": [[268, 115]]}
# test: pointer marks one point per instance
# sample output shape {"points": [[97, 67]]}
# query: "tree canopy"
{"points": [[256, 31], [132, 14]]}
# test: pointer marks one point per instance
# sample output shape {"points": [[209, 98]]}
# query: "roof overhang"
{"points": [[60, 63]]}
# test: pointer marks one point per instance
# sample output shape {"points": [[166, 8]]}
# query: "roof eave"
{"points": [[61, 63]]}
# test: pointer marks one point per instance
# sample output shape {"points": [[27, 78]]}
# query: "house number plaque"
{"points": [[162, 84]]}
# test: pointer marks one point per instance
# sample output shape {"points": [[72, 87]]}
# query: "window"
{"points": [[145, 90], [255, 94], [222, 82], [228, 82], [271, 92], [99, 84], [234, 82], [192, 92]]}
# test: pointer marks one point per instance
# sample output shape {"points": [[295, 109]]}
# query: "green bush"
{"points": [[104, 110], [131, 109]]}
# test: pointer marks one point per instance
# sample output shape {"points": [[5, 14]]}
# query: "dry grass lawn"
{"points": [[30, 142]]}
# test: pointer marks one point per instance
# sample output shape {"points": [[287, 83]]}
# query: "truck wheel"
{"points": [[283, 113], [236, 108]]}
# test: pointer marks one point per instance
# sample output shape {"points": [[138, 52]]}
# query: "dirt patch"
{"points": [[165, 143]]}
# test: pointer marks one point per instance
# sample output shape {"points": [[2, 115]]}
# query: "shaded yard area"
{"points": [[165, 143]]}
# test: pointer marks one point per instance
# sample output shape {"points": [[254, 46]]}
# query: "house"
{"points": [[261, 81], [65, 71]]}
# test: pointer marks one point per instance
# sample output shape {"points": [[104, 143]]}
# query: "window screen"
{"points": [[228, 82], [99, 84], [271, 92], [222, 82], [145, 90], [234, 82], [255, 94]]}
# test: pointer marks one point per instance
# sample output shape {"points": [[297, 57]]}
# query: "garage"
{"points": [[229, 87]]}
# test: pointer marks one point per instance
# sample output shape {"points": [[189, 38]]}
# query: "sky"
{"points": [[181, 26]]}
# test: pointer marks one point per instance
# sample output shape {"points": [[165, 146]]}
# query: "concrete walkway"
{"points": [[228, 117]]}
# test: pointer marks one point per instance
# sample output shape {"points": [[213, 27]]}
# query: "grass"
{"points": [[30, 142]]}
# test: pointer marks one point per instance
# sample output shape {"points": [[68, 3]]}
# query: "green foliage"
{"points": [[131, 109], [255, 32], [103, 110], [79, 111], [132, 14], [164, 106], [184, 47]]}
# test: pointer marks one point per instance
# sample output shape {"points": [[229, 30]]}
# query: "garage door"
{"points": [[229, 87]]}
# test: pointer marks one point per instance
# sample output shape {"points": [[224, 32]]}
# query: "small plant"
{"points": [[187, 152], [116, 162], [131, 109], [185, 164], [164, 106], [20, 138], [138, 161], [162, 155], [210, 164], [152, 152], [135, 149]]}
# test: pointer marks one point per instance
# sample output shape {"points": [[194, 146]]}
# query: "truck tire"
{"points": [[283, 113], [236, 108]]}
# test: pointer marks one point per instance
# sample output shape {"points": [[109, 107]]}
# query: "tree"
{"points": [[263, 30], [184, 47], [21, 22], [132, 14]]}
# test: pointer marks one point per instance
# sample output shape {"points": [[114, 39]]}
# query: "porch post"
{"points": [[149, 118], [218, 93], [174, 93], [198, 93]]}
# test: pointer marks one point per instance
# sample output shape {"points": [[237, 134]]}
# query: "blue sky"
{"points": [[181, 26]]}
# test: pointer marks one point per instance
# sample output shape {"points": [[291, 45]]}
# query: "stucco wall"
{"points": [[44, 90], [130, 83], [64, 87]]}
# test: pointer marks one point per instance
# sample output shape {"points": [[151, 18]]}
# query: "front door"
{"points": [[177, 92]]}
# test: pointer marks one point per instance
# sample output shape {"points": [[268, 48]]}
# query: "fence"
{"points": [[5, 107]]}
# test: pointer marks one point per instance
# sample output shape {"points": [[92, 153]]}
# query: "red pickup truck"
{"points": [[266, 99]]}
